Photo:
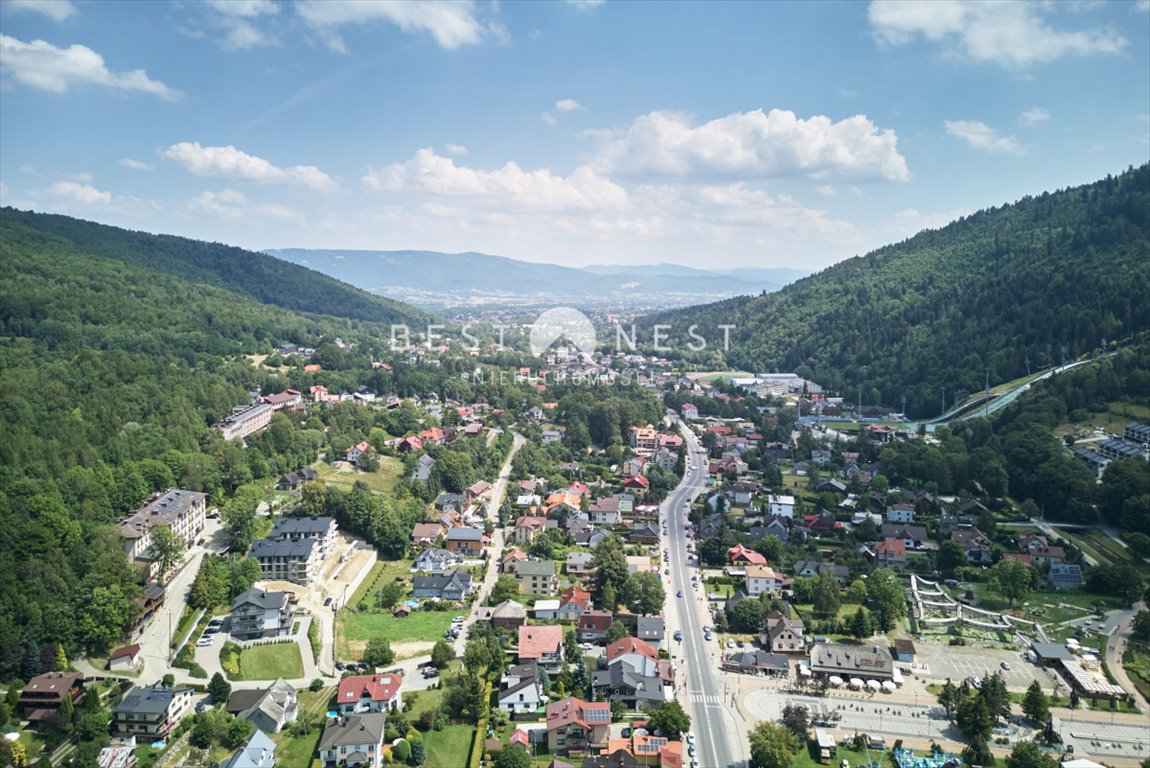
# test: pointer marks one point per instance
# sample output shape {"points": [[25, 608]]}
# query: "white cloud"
{"points": [[982, 137], [57, 10], [232, 204], [3, 191], [826, 190], [507, 188], [1034, 116], [456, 149], [1013, 35], [549, 118], [44, 66], [136, 165], [452, 24], [1142, 6], [237, 19], [84, 194], [753, 145], [229, 162], [585, 5], [247, 9], [567, 105]]}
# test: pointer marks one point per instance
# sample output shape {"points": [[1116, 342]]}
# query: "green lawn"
{"points": [[448, 748], [354, 628], [382, 573], [267, 662], [381, 481], [298, 750], [1136, 662]]}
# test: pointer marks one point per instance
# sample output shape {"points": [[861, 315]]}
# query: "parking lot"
{"points": [[960, 662]]}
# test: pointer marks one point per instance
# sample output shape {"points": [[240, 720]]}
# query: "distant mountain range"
{"points": [[435, 280]]}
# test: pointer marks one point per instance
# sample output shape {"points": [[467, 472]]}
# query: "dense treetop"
{"points": [[1027, 281]]}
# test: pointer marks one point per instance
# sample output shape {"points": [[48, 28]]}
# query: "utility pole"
{"points": [[1028, 366]]}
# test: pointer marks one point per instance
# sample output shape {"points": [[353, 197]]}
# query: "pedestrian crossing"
{"points": [[698, 697]]}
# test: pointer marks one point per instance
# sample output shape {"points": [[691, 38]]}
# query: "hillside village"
{"points": [[539, 560]]}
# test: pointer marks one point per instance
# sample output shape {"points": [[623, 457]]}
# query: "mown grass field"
{"points": [[268, 662], [448, 748], [381, 481], [356, 628]]}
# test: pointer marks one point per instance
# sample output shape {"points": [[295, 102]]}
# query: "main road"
{"points": [[720, 735]]}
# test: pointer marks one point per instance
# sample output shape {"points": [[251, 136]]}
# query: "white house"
{"points": [[762, 578], [900, 513], [783, 506]]}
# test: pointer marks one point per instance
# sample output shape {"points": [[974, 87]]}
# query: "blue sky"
{"points": [[711, 134]]}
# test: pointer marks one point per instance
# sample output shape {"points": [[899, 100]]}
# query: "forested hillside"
{"points": [[250, 274], [112, 373], [1029, 282]]}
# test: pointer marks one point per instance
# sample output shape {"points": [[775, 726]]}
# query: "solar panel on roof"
{"points": [[598, 716]]}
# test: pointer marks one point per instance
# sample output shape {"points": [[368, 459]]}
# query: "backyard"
{"points": [[262, 662], [297, 750], [449, 747]]}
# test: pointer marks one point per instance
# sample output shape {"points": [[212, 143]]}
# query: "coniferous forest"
{"points": [[1018, 287]]}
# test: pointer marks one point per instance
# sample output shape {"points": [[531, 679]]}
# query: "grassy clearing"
{"points": [[381, 481], [1113, 420], [268, 662], [448, 748], [357, 628], [1136, 662], [300, 750], [382, 573]]}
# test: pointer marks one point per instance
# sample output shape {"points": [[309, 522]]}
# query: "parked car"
{"points": [[1005, 665], [730, 643], [679, 593], [340, 665], [678, 636], [326, 602], [430, 672]]}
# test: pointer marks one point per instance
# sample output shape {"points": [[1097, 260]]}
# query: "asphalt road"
{"points": [[719, 734]]}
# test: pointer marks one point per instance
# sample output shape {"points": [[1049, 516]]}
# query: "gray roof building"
{"points": [[869, 662]]}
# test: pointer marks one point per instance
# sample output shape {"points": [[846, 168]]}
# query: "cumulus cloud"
{"points": [[549, 118], [84, 194], [452, 24], [229, 162], [237, 19], [44, 66], [1011, 35], [567, 105], [57, 10], [232, 204], [136, 165], [984, 138], [456, 149], [747, 145], [1034, 116], [509, 187]]}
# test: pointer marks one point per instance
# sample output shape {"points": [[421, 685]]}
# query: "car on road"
{"points": [[1005, 665], [326, 602], [678, 636], [679, 593]]}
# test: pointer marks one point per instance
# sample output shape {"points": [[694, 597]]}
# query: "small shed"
{"points": [[904, 651]]}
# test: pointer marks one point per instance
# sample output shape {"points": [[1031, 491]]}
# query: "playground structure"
{"points": [[935, 610], [906, 758]]}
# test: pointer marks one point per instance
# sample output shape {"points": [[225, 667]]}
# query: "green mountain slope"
{"points": [[1029, 282], [247, 273]]}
